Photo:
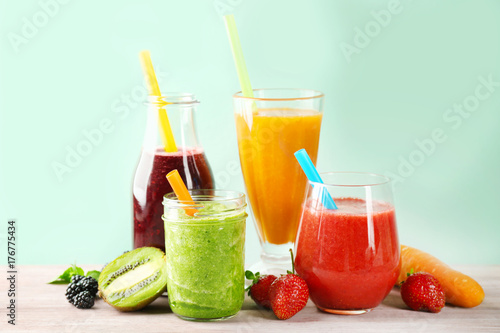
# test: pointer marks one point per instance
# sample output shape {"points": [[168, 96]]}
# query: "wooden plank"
{"points": [[43, 308]]}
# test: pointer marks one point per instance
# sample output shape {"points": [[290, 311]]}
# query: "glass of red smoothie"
{"points": [[350, 256], [150, 182]]}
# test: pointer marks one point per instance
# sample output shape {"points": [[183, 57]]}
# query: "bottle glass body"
{"points": [[150, 182]]}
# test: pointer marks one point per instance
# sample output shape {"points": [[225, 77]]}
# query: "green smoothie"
{"points": [[205, 260]]}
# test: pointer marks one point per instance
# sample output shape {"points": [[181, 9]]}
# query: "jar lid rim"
{"points": [[206, 195]]}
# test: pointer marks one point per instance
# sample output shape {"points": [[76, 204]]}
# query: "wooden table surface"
{"points": [[43, 308]]}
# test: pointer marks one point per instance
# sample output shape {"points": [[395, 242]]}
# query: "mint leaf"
{"points": [[94, 274], [76, 271], [65, 277]]}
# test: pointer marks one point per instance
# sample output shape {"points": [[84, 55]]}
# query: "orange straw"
{"points": [[181, 191]]}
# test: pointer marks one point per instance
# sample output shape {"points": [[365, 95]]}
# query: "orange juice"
{"points": [[275, 183]]}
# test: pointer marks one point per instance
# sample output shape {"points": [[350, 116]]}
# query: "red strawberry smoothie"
{"points": [[349, 258]]}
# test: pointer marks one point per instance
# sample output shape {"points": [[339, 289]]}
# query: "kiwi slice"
{"points": [[134, 279]]}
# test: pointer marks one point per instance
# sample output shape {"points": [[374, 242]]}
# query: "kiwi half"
{"points": [[134, 279]]}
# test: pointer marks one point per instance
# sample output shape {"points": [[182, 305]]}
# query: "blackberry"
{"points": [[76, 278], [89, 284], [80, 284], [74, 288], [84, 300]]}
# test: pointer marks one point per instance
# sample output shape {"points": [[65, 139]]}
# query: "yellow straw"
{"points": [[239, 60], [166, 134]]}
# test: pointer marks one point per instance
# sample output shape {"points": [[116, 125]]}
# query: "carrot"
{"points": [[459, 288]]}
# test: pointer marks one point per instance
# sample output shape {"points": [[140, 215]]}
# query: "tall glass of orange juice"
{"points": [[271, 126]]}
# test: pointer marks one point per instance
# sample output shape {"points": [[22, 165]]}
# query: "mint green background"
{"points": [[395, 91]]}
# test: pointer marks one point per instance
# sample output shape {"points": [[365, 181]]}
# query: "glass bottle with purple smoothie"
{"points": [[150, 183]]}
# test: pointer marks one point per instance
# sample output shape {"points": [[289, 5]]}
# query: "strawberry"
{"points": [[288, 294], [259, 290], [422, 292]]}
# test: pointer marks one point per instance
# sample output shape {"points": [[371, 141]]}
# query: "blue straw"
{"points": [[313, 176]]}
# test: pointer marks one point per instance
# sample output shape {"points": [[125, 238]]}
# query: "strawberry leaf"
{"points": [[293, 264], [248, 289], [249, 275]]}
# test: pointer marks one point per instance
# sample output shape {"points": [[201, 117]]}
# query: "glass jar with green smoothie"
{"points": [[205, 254]]}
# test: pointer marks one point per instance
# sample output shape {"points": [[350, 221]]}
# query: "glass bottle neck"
{"points": [[179, 111]]}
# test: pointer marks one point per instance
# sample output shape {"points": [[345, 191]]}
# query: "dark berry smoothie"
{"points": [[150, 185]]}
